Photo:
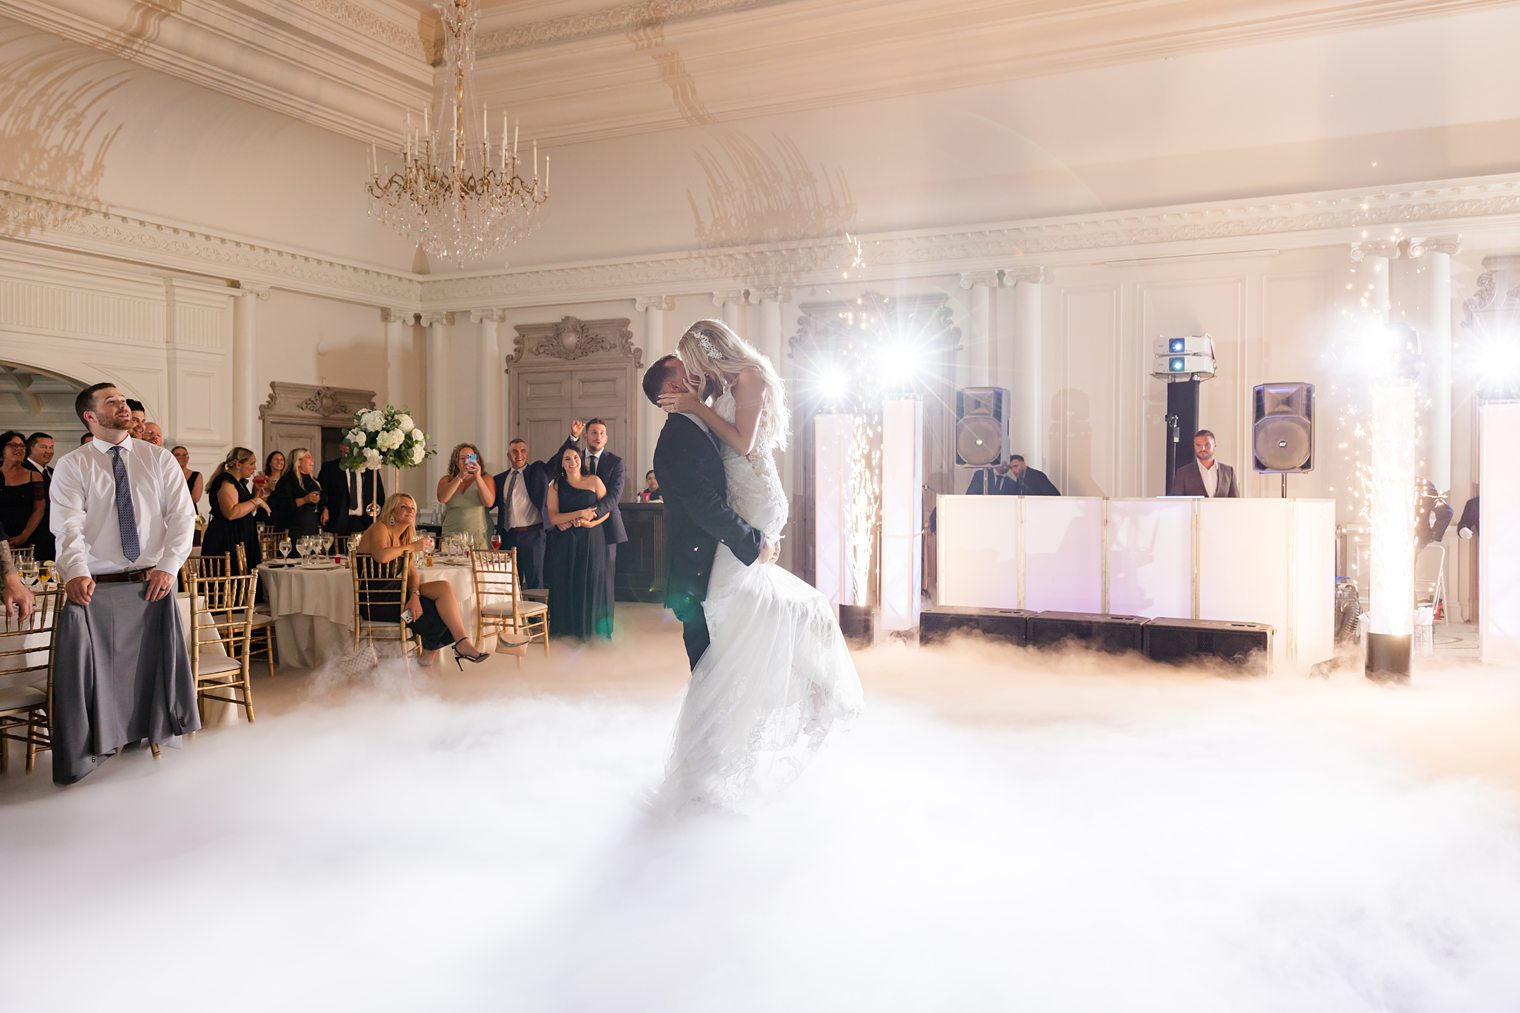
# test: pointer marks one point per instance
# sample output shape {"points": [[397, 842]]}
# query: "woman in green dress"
{"points": [[467, 493]]}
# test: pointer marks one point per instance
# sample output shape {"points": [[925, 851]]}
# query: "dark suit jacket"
{"points": [[1033, 483], [1469, 519], [42, 538], [611, 471], [697, 514], [334, 481], [1187, 482], [536, 480]]}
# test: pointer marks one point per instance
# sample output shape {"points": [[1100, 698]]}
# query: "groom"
{"points": [[697, 514]]}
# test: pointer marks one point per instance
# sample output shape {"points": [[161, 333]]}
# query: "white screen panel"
{"points": [[1150, 557], [1063, 554]]}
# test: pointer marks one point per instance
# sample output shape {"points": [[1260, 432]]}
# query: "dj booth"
{"points": [[1259, 561]]}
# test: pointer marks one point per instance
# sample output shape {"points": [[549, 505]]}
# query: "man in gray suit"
{"points": [[1206, 476]]}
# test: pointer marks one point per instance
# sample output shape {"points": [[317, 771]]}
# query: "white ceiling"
{"points": [[575, 70]]}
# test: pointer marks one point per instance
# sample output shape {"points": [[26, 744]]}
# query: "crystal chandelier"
{"points": [[459, 195]]}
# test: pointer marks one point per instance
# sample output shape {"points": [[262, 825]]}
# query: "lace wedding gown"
{"points": [[777, 675]]}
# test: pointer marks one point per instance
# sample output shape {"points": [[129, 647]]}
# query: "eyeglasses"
{"points": [[15, 446]]}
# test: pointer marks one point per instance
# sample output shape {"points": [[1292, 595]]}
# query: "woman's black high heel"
{"points": [[460, 657]]}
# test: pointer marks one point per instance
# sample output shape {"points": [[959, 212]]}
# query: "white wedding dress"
{"points": [[777, 675]]}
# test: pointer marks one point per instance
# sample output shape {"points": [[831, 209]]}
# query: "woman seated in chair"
{"points": [[436, 617]]}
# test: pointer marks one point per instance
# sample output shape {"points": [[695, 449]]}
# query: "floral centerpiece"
{"points": [[384, 437]]}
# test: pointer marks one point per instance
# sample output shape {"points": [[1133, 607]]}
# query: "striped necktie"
{"points": [[124, 514]]}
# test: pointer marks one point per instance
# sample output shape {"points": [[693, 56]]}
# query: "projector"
{"points": [[1185, 358]]}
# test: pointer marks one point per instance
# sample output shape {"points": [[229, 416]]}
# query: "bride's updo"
{"points": [[712, 348]]}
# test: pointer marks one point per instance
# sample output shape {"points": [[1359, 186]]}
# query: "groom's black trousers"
{"points": [[694, 632]]}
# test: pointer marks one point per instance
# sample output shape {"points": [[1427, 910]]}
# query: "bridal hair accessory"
{"points": [[709, 348]]}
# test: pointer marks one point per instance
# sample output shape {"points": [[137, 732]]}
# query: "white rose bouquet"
{"points": [[384, 436]]}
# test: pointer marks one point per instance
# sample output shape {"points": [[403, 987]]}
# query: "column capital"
{"points": [[1026, 276], [1421, 245], [730, 297], [1364, 249], [643, 303], [436, 319], [247, 288], [776, 294], [396, 315], [487, 316], [980, 279]]}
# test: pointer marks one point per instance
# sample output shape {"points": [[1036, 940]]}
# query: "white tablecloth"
{"points": [[314, 608]]}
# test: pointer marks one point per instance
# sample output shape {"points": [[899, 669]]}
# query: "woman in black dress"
{"points": [[576, 569], [437, 618], [21, 492], [234, 508], [297, 500], [193, 479]]}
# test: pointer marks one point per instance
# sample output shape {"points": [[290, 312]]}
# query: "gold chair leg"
{"points": [[153, 746], [269, 648]]}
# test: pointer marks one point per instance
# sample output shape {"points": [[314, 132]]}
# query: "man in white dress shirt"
{"points": [[520, 514], [123, 523], [1206, 476]]}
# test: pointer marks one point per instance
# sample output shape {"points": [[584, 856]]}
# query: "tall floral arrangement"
{"points": [[384, 437]]}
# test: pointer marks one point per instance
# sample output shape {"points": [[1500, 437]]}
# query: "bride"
{"points": [[776, 675]]}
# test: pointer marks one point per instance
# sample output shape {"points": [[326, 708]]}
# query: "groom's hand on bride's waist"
{"points": [[769, 551]]}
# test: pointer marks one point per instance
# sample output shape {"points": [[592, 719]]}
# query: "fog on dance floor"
{"points": [[1000, 831]]}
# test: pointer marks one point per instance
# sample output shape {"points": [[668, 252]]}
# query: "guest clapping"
{"points": [[297, 501], [234, 507], [436, 617], [22, 496], [467, 492], [580, 603]]}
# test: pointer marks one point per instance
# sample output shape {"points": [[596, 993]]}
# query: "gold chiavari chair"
{"points": [[26, 554], [516, 621], [26, 658], [378, 589], [221, 621], [263, 622], [206, 566], [269, 543]]}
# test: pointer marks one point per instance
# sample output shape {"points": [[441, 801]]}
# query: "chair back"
{"points": [[1428, 568], [207, 566], [494, 572], [378, 584], [27, 554], [26, 645], [269, 543], [221, 615]]}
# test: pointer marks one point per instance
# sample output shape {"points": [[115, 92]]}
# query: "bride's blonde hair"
{"points": [[712, 348]]}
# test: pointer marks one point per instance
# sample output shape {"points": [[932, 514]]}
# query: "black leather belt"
{"points": [[125, 577], [525, 527]]}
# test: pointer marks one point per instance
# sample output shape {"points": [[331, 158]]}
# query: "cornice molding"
{"points": [[178, 246], [1021, 250]]}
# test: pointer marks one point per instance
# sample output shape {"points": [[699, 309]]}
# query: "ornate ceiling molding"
{"points": [[573, 338], [1484, 205], [177, 246], [621, 19]]}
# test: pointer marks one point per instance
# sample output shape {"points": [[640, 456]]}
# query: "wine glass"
{"points": [[285, 548], [28, 570], [327, 542]]}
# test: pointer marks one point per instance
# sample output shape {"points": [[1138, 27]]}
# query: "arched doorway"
{"points": [[35, 400]]}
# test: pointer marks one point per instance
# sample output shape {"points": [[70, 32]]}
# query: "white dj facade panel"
{"points": [[902, 512], [1242, 563], [831, 448], [977, 551], [1150, 557], [1311, 635], [1499, 534], [1063, 554]]}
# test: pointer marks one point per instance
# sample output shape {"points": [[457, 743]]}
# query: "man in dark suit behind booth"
{"points": [[521, 516], [347, 495], [1205, 476], [1015, 478]]}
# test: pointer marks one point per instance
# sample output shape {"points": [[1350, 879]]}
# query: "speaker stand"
{"points": [[1181, 404], [1285, 485]]}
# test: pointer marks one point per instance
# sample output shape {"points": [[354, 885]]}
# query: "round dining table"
{"points": [[313, 606]]}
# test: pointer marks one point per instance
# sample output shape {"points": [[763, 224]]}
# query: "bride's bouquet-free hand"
{"points": [[384, 437]]}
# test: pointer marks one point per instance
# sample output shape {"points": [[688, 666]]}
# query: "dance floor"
{"points": [[1000, 831]]}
